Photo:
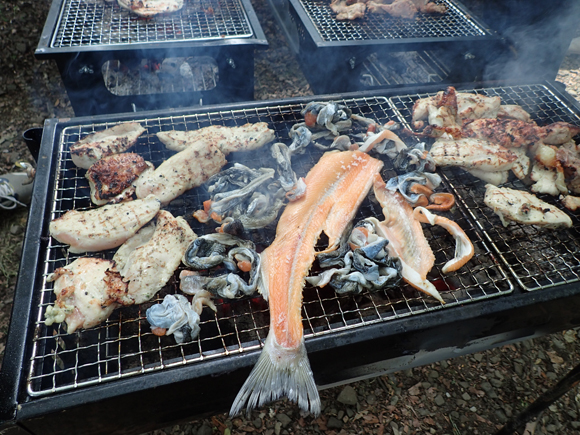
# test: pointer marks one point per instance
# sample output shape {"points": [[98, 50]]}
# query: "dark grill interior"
{"points": [[93, 23]]}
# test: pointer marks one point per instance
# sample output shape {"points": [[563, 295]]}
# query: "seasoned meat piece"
{"points": [[111, 177], [472, 153], [183, 171], [229, 139], [509, 133], [86, 293], [558, 133], [114, 140], [513, 111], [399, 8], [148, 268], [105, 227], [346, 11], [524, 207], [150, 8]]}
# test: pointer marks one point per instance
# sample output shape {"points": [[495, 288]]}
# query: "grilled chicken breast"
{"points": [[149, 8], [105, 227], [509, 133], [228, 139], [524, 207], [86, 293], [111, 178], [150, 265], [183, 171], [472, 153], [114, 140]]}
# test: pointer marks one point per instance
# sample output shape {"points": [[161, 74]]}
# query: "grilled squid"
{"points": [[463, 247]]}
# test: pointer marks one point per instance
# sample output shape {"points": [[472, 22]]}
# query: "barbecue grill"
{"points": [[521, 283], [452, 47], [111, 60]]}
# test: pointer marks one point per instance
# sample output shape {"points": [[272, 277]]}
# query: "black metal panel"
{"points": [[81, 63]]}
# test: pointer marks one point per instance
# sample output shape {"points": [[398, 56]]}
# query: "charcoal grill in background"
{"points": [[379, 51], [120, 378], [112, 60]]}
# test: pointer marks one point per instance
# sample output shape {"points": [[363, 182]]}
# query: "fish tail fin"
{"points": [[279, 372]]}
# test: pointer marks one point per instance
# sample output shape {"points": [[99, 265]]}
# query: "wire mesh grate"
{"points": [[537, 258], [99, 22], [452, 24], [124, 346]]}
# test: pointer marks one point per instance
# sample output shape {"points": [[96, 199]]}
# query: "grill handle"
{"points": [[33, 137]]}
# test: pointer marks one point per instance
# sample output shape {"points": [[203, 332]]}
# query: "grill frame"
{"points": [[346, 356], [464, 57], [80, 67]]}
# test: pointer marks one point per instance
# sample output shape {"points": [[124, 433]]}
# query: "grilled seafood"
{"points": [[86, 293], [245, 194], [105, 227], [228, 139], [336, 186], [509, 133], [111, 178], [524, 207], [295, 188], [178, 317], [149, 266], [346, 11], [416, 187], [325, 119], [236, 255], [402, 227], [407, 241], [363, 263], [150, 8], [558, 133], [114, 140]]}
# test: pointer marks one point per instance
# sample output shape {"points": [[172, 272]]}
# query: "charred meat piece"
{"points": [[111, 178], [114, 140], [150, 8], [105, 227], [86, 293], [558, 133], [509, 133], [346, 11]]}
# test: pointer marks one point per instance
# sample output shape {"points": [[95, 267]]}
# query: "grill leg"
{"points": [[562, 387]]}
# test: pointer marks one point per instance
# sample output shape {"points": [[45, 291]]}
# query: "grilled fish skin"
{"points": [[336, 186], [149, 266], [111, 178], [86, 293], [472, 153], [183, 171], [114, 140], [406, 238], [150, 8], [523, 207], [247, 137], [105, 227]]}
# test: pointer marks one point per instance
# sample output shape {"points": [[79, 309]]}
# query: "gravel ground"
{"points": [[474, 394]]}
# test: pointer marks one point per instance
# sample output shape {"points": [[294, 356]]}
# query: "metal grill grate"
{"points": [[537, 258], [124, 346], [100, 22], [453, 24]]}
